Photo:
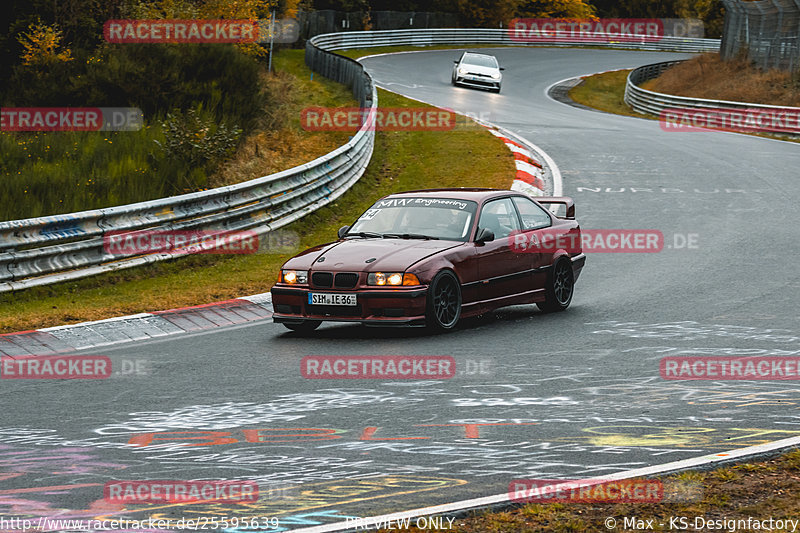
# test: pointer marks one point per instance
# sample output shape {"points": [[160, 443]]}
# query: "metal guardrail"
{"points": [[642, 100], [45, 250], [654, 103], [431, 37]]}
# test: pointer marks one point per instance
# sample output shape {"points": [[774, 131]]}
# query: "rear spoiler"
{"points": [[566, 201]]}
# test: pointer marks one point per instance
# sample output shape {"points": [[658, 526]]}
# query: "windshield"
{"points": [[481, 61], [438, 218]]}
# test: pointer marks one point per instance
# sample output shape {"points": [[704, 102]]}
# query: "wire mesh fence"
{"points": [[765, 31]]}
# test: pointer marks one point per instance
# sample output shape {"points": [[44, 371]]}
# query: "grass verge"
{"points": [[759, 491], [708, 76], [281, 143], [466, 157], [606, 92]]}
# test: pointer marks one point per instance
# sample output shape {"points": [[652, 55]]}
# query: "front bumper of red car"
{"points": [[375, 307]]}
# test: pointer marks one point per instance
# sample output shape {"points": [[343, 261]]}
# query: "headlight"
{"points": [[392, 279], [496, 76], [294, 277], [461, 71]]}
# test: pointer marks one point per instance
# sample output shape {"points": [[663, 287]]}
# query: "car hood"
{"points": [[477, 69], [389, 255]]}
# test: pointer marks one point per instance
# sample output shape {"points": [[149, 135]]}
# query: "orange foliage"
{"points": [[41, 45]]}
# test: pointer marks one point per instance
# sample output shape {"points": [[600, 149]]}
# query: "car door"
{"points": [[502, 271], [537, 228]]}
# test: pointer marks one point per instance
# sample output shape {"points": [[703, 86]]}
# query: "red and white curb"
{"points": [[537, 172], [530, 172], [139, 327]]}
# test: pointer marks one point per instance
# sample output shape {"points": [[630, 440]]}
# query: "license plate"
{"points": [[321, 298]]}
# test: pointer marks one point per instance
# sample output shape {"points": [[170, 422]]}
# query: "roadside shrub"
{"points": [[152, 77], [196, 138], [197, 100], [163, 77]]}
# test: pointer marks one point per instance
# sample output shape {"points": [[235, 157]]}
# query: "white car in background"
{"points": [[477, 70]]}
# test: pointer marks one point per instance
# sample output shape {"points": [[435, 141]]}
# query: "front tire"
{"points": [[444, 301], [304, 327], [559, 289]]}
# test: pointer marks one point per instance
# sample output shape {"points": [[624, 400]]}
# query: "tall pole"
{"points": [[271, 38]]}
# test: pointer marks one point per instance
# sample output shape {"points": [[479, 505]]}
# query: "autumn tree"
{"points": [[342, 5], [711, 12], [573, 9], [486, 13], [254, 10], [41, 46], [498, 13]]}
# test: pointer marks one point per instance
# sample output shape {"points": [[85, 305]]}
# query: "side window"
{"points": [[500, 217], [533, 216]]}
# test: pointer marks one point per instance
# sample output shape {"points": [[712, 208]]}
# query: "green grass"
{"points": [[401, 161], [45, 173], [325, 92], [605, 92]]}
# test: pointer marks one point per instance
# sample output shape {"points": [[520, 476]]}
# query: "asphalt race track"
{"points": [[574, 394]]}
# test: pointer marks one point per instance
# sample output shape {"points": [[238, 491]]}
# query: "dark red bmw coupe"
{"points": [[431, 257]]}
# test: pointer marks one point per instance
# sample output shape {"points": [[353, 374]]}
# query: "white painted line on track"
{"points": [[549, 87]]}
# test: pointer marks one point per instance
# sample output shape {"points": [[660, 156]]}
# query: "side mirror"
{"points": [[343, 231], [502, 68], [455, 61], [484, 235]]}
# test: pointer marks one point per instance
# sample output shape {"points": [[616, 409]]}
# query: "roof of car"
{"points": [[475, 194]]}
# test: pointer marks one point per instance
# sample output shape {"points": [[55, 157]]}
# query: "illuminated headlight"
{"points": [[392, 279], [295, 277], [461, 72], [496, 76]]}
